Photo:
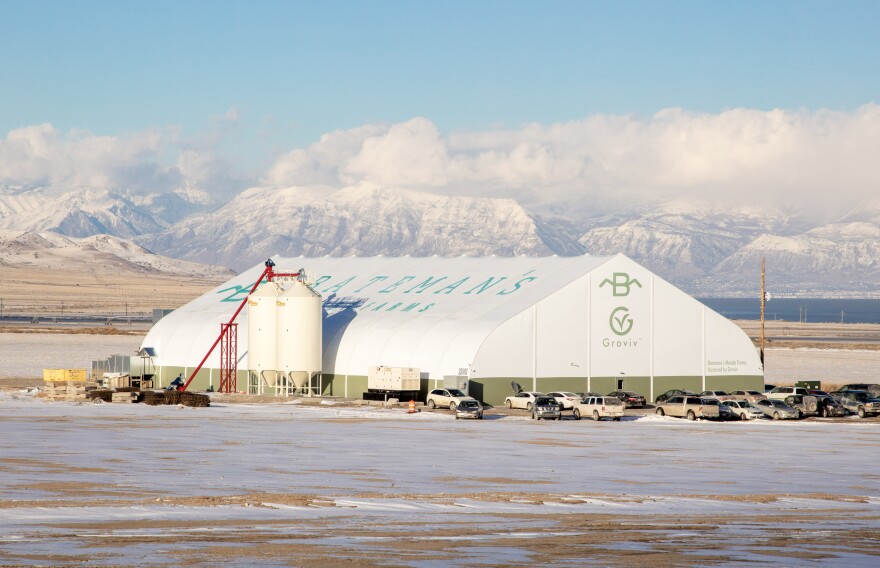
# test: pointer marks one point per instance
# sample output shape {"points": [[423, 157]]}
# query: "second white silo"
{"points": [[262, 332], [299, 347]]}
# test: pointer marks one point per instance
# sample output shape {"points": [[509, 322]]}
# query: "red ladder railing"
{"points": [[268, 274], [228, 357]]}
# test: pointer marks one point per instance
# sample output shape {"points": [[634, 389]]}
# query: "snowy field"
{"points": [[296, 485], [27, 354], [831, 366]]}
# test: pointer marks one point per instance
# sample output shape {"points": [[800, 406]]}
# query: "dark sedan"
{"points": [[674, 392], [630, 399]]}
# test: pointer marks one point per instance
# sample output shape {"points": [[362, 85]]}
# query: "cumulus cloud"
{"points": [[42, 155], [817, 158], [824, 160]]}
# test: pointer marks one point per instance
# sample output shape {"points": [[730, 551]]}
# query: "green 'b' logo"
{"points": [[620, 283], [620, 321]]}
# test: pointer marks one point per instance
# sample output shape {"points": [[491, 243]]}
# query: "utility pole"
{"points": [[763, 300]]}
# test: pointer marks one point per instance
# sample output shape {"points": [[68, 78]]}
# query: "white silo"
{"points": [[298, 348], [262, 330]]}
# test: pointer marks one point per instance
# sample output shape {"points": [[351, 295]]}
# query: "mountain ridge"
{"points": [[705, 248]]}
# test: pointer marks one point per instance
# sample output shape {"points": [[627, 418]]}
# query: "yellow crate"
{"points": [[76, 375]]}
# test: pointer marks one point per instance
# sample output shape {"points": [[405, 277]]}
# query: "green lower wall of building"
{"points": [[493, 390], [663, 384], [736, 382], [204, 379]]}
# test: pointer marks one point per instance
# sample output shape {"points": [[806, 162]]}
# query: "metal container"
{"points": [[262, 326], [394, 378], [298, 345]]}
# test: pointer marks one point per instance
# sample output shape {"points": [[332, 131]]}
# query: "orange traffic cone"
{"points": [[412, 407]]}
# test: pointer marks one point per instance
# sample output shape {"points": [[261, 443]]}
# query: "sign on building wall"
{"points": [[620, 320]]}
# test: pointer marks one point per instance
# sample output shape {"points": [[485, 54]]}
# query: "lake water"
{"points": [[817, 310]]}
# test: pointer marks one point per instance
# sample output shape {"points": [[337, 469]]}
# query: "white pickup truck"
{"points": [[599, 407]]}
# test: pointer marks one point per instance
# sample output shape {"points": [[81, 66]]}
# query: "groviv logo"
{"points": [[620, 283], [620, 321]]}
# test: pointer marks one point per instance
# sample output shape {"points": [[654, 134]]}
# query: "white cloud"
{"points": [[821, 158], [825, 160], [42, 155]]}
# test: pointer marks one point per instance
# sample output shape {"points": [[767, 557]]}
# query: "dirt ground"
{"points": [[98, 290]]}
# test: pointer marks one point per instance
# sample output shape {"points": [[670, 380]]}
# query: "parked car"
{"points": [[806, 405], [599, 407], [546, 407], [690, 407], [524, 400], [858, 402], [449, 398], [630, 399], [748, 395], [872, 389], [776, 409], [828, 407], [768, 388], [717, 395], [469, 409], [781, 393], [674, 392], [565, 399], [724, 412], [743, 409]]}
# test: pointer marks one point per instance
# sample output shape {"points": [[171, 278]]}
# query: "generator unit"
{"points": [[402, 383]]}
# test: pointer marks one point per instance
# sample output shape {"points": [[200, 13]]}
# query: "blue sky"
{"points": [[305, 68], [255, 80]]}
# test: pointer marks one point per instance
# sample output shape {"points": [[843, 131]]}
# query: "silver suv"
{"points": [[599, 407], [446, 397], [546, 407], [690, 407]]}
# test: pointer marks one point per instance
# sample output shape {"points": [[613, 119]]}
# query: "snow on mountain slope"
{"points": [[80, 213], [353, 221], [837, 258], [52, 250], [706, 248], [682, 241]]}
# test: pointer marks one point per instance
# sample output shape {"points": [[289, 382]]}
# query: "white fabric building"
{"points": [[554, 323]]}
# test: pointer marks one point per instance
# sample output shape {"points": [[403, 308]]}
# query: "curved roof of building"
{"points": [[426, 312]]}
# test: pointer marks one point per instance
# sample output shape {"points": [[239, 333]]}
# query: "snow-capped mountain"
{"points": [[51, 250], [707, 249], [81, 213], [261, 222], [684, 241], [837, 258]]}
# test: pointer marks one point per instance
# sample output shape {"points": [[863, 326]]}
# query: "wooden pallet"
{"points": [[124, 397], [67, 391]]}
